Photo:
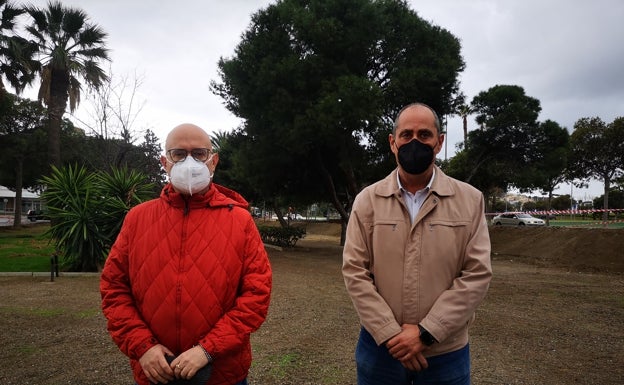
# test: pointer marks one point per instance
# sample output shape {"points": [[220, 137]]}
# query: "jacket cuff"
{"points": [[143, 347], [386, 332], [436, 329]]}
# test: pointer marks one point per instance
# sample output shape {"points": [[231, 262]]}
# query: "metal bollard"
{"points": [[53, 267]]}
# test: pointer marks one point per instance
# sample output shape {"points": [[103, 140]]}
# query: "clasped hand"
{"points": [[159, 371], [407, 348]]}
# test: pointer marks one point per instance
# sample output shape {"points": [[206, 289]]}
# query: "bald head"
{"points": [[418, 106], [189, 136]]}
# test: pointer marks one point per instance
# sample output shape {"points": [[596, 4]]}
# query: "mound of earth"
{"points": [[578, 249]]}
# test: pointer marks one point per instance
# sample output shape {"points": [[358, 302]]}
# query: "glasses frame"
{"points": [[189, 152]]}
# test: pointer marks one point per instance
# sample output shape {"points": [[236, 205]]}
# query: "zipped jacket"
{"points": [[433, 271], [188, 270]]}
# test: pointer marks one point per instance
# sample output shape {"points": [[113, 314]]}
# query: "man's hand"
{"points": [[407, 348], [188, 363], [155, 365]]}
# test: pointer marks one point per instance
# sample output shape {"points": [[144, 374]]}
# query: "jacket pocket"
{"points": [[448, 222], [388, 241], [444, 244]]}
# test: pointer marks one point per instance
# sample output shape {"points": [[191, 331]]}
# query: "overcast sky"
{"points": [[568, 54]]}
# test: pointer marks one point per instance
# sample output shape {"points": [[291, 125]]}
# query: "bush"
{"points": [[281, 236], [87, 210]]}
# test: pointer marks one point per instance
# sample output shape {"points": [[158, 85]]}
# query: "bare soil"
{"points": [[553, 315]]}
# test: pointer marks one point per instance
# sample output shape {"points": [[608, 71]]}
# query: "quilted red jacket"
{"points": [[188, 270]]}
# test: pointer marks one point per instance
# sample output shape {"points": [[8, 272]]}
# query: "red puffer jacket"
{"points": [[188, 270]]}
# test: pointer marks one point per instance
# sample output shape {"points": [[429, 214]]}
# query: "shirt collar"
{"points": [[426, 187]]}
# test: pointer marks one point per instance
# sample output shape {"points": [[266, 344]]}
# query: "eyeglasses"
{"points": [[179, 154]]}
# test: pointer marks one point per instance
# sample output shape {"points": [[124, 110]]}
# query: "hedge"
{"points": [[281, 236]]}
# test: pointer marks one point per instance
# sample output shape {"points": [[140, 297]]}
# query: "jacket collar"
{"points": [[440, 185], [216, 196]]}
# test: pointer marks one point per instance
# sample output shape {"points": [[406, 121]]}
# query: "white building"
{"points": [[30, 201]]}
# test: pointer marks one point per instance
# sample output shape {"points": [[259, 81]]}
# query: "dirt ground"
{"points": [[553, 315]]}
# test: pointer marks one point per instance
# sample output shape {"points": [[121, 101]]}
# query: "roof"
{"points": [[6, 193]]}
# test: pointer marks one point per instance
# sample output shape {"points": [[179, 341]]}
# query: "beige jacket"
{"points": [[435, 271]]}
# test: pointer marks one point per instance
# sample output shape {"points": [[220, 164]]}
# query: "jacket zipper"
{"points": [[178, 310]]}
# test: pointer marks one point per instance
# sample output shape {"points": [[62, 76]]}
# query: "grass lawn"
{"points": [[26, 249]]}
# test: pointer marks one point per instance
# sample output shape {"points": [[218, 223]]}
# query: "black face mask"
{"points": [[415, 157]]}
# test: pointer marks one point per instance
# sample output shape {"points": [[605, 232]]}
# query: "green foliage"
{"points": [[616, 199], [598, 152], [281, 236], [22, 139], [16, 53], [318, 84], [562, 202], [87, 210], [597, 149], [505, 142], [507, 133]]}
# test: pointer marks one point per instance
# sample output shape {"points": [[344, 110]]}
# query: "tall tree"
{"points": [[16, 64], [318, 84], [464, 111], [547, 167], [507, 119], [598, 152], [504, 142], [21, 139], [70, 49]]}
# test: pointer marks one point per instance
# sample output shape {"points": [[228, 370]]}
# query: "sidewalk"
{"points": [[7, 220], [45, 274]]}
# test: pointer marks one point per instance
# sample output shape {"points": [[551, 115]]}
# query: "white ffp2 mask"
{"points": [[190, 176]]}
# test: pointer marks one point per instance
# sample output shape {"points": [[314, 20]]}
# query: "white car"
{"points": [[517, 219]]}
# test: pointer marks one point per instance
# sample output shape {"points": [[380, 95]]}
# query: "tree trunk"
{"points": [[605, 213], [331, 189], [56, 109], [465, 121], [17, 217]]}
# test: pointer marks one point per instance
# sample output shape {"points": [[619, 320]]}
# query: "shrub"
{"points": [[87, 210], [281, 236]]}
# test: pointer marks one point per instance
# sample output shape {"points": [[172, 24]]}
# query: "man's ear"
{"points": [[441, 139], [392, 142], [163, 161]]}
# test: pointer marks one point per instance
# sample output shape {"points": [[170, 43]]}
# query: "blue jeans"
{"points": [[375, 366]]}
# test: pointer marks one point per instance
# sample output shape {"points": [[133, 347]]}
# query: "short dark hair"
{"points": [[435, 116]]}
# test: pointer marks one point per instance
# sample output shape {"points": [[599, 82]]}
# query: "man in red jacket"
{"points": [[188, 278]]}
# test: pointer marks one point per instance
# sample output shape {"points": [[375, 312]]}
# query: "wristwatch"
{"points": [[426, 337]]}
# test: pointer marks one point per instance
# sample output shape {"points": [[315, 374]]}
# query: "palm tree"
{"points": [[16, 64], [69, 49], [464, 110], [218, 139]]}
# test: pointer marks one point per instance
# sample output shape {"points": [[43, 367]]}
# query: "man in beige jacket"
{"points": [[416, 263]]}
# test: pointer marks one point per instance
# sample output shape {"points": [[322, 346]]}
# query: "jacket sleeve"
{"points": [[375, 314], [250, 309], [125, 325], [456, 306]]}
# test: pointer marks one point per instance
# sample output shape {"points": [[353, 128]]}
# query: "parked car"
{"points": [[36, 215], [517, 220]]}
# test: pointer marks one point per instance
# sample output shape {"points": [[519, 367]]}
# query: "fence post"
{"points": [[54, 269]]}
